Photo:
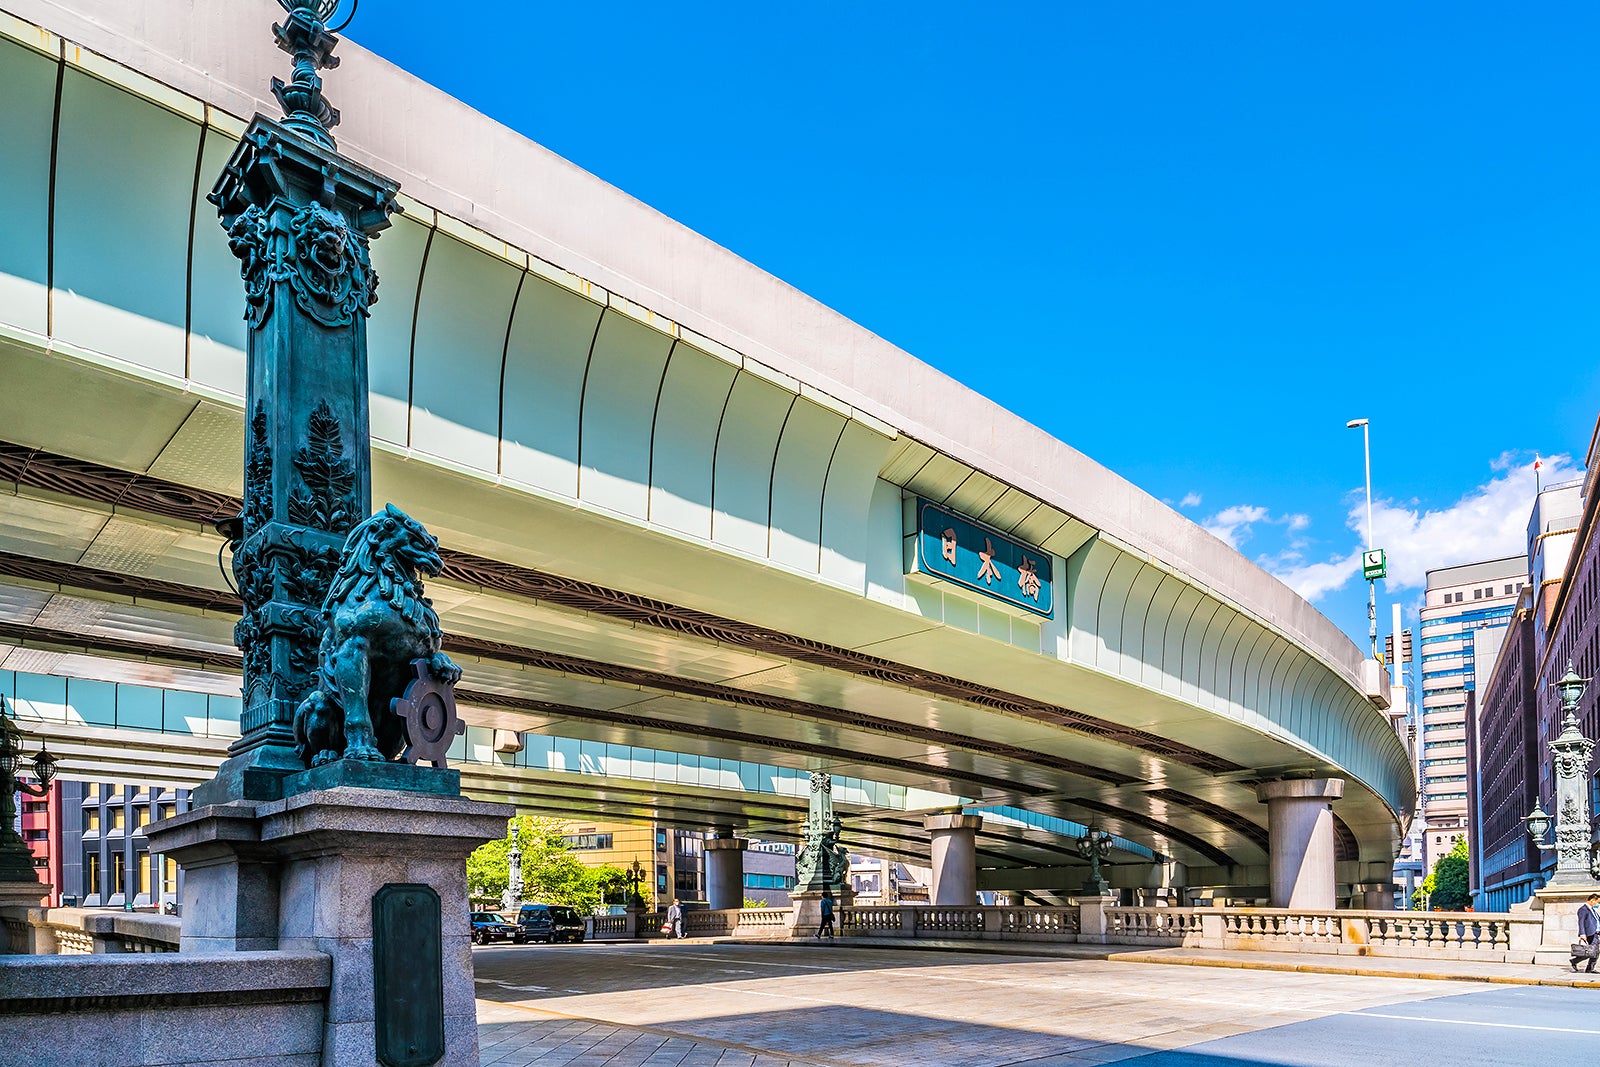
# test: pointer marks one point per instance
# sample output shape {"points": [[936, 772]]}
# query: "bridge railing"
{"points": [[732, 922], [1502, 937], [1492, 936], [86, 932]]}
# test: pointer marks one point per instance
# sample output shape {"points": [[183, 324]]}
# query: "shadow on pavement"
{"points": [[529, 972]]}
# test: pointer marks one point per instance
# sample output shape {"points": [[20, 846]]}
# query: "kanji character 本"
{"points": [[1028, 578], [950, 547], [988, 571]]}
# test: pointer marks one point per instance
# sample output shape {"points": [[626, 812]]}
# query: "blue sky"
{"points": [[1189, 240]]}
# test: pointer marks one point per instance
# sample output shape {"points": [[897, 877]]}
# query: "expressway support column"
{"points": [[725, 869], [955, 857], [1300, 840]]}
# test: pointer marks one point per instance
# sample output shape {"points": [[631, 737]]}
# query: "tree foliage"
{"points": [[551, 874], [1446, 888]]}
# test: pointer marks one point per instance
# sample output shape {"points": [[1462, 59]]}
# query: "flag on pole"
{"points": [[1537, 463]]}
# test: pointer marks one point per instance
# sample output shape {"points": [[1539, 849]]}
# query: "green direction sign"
{"points": [[984, 560], [1373, 564]]}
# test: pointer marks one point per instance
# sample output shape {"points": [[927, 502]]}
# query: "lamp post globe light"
{"points": [[1094, 846], [635, 874], [1574, 847], [16, 861]]}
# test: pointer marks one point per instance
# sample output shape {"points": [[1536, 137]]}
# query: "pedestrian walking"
{"points": [[1587, 947], [825, 927], [675, 919]]}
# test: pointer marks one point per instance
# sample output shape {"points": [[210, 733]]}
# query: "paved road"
{"points": [[692, 1004]]}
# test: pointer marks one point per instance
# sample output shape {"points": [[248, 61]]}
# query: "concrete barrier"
{"points": [[243, 1009]]}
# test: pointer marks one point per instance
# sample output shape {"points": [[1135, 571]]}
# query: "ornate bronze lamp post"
{"points": [[635, 873], [1573, 846], [16, 862], [1094, 846], [512, 899]]}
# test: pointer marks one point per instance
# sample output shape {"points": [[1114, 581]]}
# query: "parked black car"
{"points": [[550, 923], [487, 927]]}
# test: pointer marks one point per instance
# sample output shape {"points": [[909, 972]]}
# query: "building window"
{"points": [[36, 835], [661, 843], [582, 842], [168, 810], [35, 807], [91, 820], [91, 872], [119, 872], [661, 878], [768, 881], [116, 814], [169, 876]]}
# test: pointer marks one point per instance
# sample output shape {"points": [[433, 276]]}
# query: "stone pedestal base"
{"points": [[301, 873], [1093, 928], [24, 894], [1560, 906], [808, 909]]}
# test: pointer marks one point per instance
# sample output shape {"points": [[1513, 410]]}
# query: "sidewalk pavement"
{"points": [[1442, 969], [510, 1035]]}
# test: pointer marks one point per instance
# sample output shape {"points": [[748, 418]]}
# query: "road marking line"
{"points": [[1475, 1022]]}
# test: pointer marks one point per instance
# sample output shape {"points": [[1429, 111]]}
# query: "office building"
{"points": [[1460, 601]]}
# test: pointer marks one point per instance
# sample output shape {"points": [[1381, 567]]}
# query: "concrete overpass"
{"points": [[680, 500]]}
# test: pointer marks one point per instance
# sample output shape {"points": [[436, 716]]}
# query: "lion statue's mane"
{"points": [[375, 624]]}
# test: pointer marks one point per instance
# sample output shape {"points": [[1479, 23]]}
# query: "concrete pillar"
{"points": [[1300, 840], [725, 871], [955, 860]]}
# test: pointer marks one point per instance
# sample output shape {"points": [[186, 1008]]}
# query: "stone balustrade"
{"points": [[1510, 937], [87, 932], [1143, 926], [1495, 937]]}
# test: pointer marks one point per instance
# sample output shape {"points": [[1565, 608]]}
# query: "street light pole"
{"points": [[1372, 583]]}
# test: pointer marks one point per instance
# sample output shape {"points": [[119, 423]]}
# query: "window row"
{"points": [[768, 881], [581, 842]]}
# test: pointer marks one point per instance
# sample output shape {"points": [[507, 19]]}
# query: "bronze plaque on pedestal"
{"points": [[408, 975]]}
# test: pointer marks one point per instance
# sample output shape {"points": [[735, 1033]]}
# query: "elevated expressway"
{"points": [[672, 490]]}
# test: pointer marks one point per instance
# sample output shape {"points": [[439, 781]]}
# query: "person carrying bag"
{"points": [[1587, 947]]}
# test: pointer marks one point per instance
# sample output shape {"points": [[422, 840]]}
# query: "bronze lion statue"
{"points": [[379, 635]]}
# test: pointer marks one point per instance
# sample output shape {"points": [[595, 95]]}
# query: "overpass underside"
{"points": [[676, 576]]}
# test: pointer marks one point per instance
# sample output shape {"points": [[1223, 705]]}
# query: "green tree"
{"points": [[1446, 886], [551, 874]]}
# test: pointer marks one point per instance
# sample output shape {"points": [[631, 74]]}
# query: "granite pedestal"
{"points": [[808, 910], [1560, 906], [301, 873]]}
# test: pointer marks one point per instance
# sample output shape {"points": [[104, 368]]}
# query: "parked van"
{"points": [[550, 923]]}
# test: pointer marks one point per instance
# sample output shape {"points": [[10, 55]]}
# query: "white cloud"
{"points": [[1312, 580], [1235, 525], [1190, 499], [1489, 522]]}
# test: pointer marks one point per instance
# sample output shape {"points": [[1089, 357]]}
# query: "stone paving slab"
{"points": [[833, 1006], [513, 1035]]}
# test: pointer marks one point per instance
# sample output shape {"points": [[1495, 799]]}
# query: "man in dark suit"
{"points": [[1588, 931]]}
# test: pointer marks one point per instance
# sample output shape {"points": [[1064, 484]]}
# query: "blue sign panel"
{"points": [[961, 551]]}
